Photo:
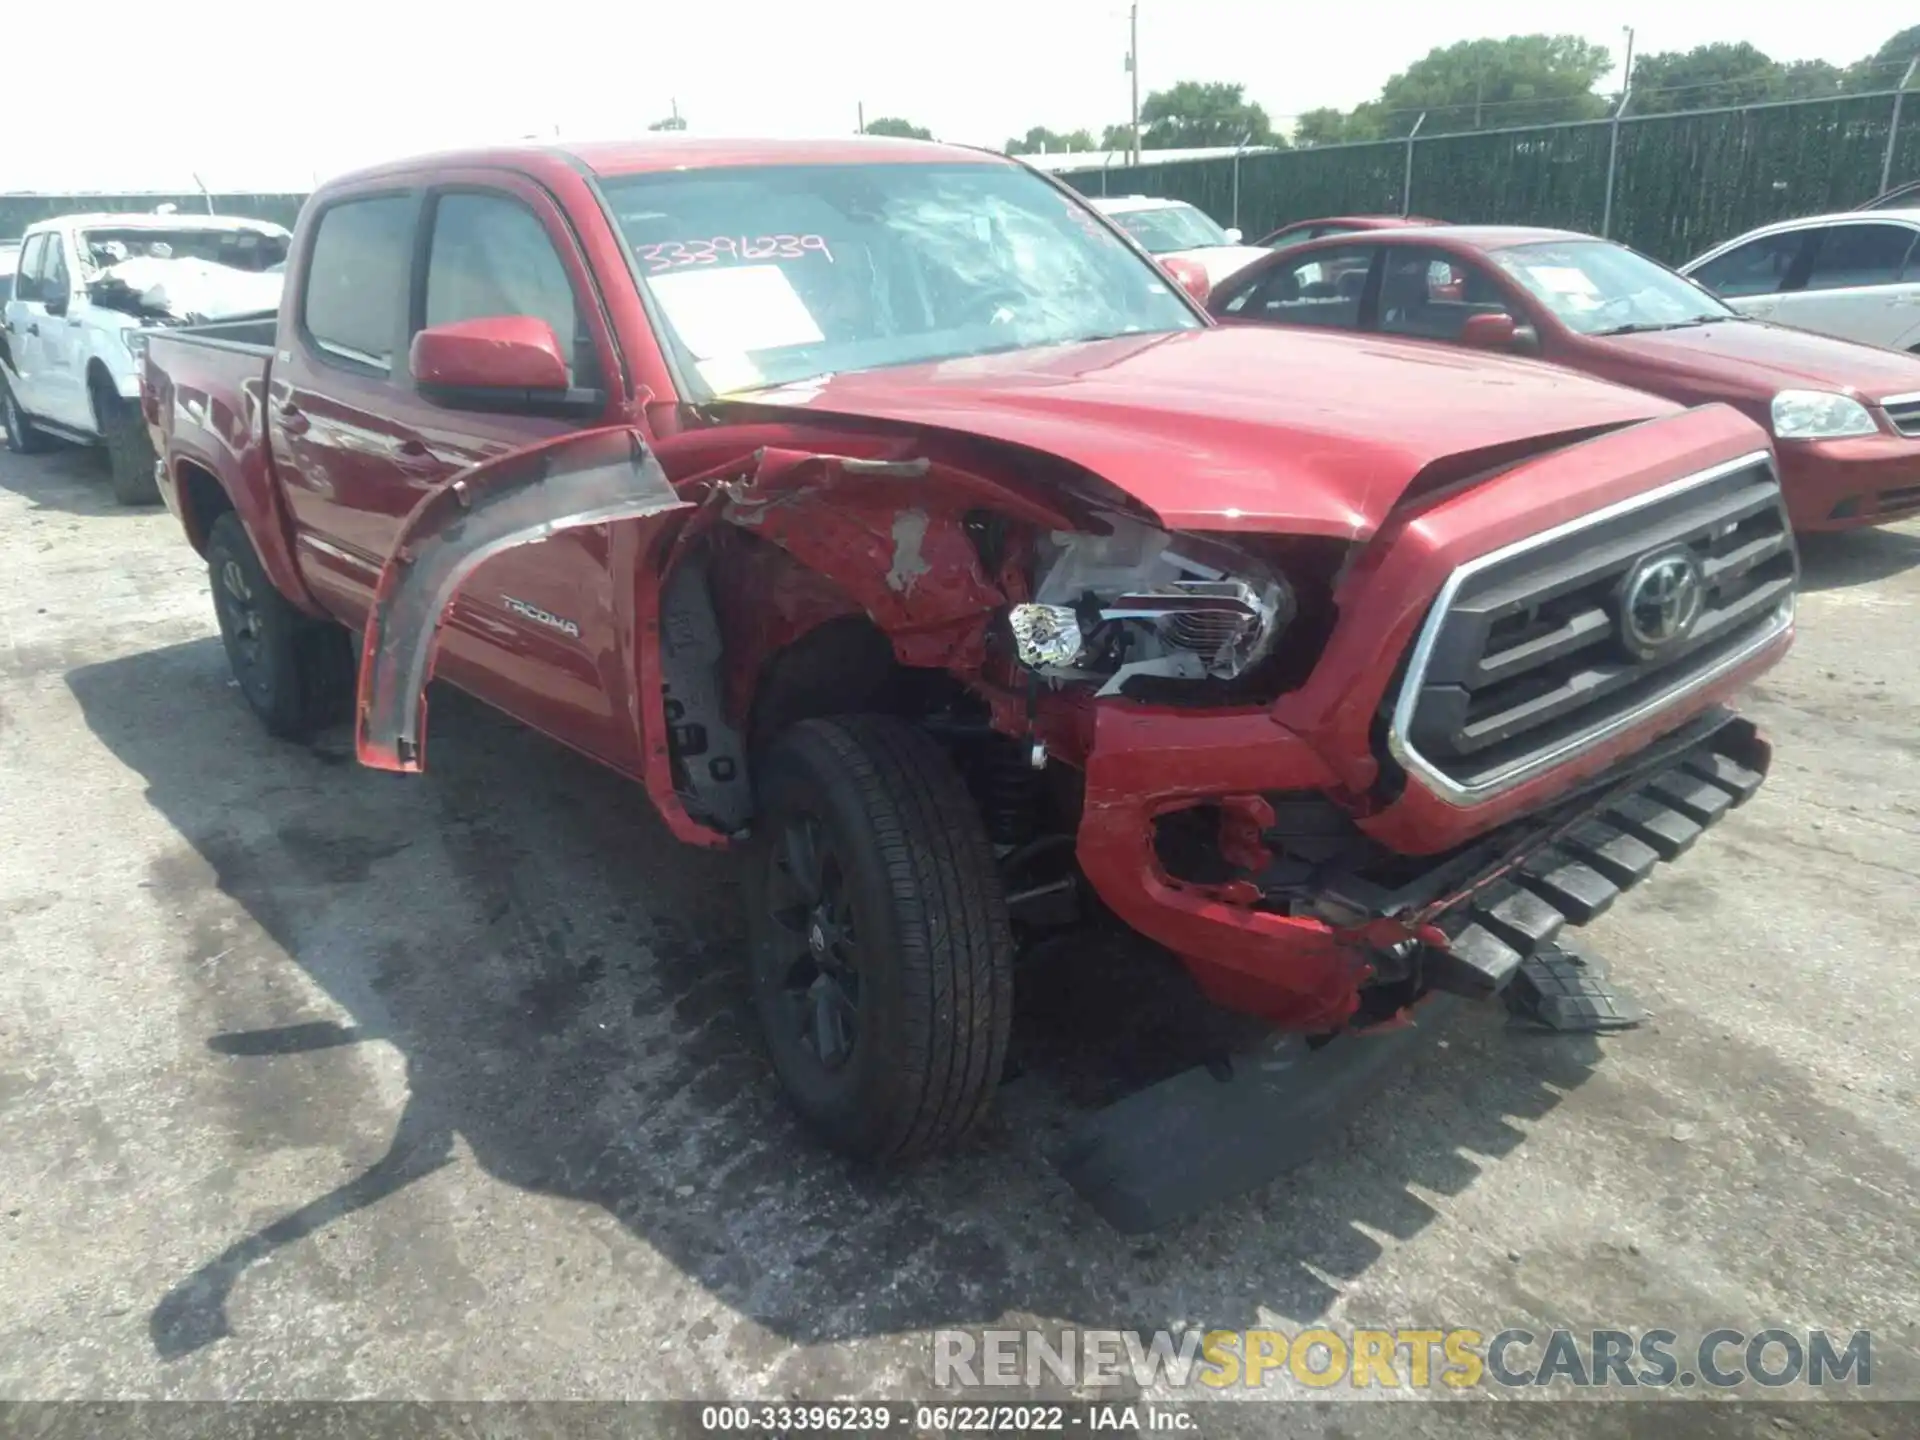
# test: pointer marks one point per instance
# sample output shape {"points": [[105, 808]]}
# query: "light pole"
{"points": [[1133, 74]]}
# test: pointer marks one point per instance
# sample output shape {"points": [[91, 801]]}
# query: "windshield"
{"points": [[1176, 227], [1599, 288], [243, 249], [770, 275]]}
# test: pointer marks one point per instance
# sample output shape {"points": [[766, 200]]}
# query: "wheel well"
{"points": [[203, 500], [100, 387], [840, 666]]}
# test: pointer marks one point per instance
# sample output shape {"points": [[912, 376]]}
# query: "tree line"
{"points": [[1479, 85]]}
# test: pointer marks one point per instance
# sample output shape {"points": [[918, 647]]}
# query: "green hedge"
{"points": [[1682, 182]]}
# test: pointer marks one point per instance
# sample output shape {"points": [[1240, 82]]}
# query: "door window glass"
{"points": [[1759, 267], [1321, 289], [357, 278], [1855, 255], [491, 256], [26, 280], [1430, 294]]}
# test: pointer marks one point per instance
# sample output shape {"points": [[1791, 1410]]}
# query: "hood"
{"points": [[1753, 356], [1239, 427], [1220, 261]]}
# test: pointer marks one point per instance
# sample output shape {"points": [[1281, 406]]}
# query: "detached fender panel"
{"points": [[592, 478]]}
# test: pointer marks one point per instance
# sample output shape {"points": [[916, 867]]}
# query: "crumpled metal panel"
{"points": [[590, 478]]}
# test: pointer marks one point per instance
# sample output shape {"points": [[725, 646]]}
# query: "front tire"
{"points": [[130, 454], [22, 437], [296, 672], [882, 955]]}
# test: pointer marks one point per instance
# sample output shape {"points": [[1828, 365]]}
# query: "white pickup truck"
{"points": [[85, 287]]}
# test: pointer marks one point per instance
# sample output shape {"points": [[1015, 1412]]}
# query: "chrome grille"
{"points": [[1525, 658], [1904, 412]]}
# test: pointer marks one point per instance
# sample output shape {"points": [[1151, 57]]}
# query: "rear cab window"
{"points": [[354, 306]]}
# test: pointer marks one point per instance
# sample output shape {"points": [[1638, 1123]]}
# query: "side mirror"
{"points": [[1498, 332], [1190, 275], [57, 304], [1234, 237], [497, 362]]}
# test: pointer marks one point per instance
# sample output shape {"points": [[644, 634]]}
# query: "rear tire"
{"points": [[882, 955], [22, 437], [296, 672], [130, 454]]}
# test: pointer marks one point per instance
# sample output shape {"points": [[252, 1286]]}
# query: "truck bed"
{"points": [[253, 334]]}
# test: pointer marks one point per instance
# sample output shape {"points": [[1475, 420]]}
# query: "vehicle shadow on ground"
{"points": [[69, 479], [1830, 560], [563, 981]]}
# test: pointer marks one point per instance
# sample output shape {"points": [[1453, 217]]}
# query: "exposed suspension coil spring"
{"points": [[1009, 793]]}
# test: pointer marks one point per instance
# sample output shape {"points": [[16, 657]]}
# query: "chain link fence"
{"points": [[1668, 185]]}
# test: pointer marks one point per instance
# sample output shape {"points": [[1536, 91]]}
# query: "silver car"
{"points": [[1854, 275]]}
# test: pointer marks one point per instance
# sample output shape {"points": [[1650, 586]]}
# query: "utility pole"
{"points": [[863, 117], [1613, 139], [1893, 126], [1133, 72]]}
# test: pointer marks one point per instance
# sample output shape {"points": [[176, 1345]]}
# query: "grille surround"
{"points": [[1404, 717], [1903, 413]]}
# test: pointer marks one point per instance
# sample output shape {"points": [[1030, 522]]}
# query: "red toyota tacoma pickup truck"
{"points": [[888, 514]]}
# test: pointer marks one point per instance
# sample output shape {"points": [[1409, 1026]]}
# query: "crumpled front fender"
{"points": [[590, 478]]}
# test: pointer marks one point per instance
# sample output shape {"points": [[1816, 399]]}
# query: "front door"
{"points": [[60, 386]]}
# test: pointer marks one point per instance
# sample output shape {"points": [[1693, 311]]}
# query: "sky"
{"points": [[279, 95]]}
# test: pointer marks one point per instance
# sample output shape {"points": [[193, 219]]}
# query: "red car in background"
{"points": [[1845, 417], [1299, 230]]}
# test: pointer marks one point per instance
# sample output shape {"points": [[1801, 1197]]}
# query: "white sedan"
{"points": [[1166, 228], [1854, 275]]}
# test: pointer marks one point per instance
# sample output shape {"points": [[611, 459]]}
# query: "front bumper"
{"points": [[1845, 484], [1265, 941]]}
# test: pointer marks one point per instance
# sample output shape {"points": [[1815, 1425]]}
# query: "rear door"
{"points": [[1860, 283], [350, 466], [25, 316]]}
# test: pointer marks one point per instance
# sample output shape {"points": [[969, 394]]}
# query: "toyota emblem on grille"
{"points": [[1661, 601]]}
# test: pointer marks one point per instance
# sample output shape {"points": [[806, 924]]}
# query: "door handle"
{"points": [[34, 328], [293, 421]]}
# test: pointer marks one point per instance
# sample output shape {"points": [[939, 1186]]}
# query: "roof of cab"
{"points": [[148, 220], [608, 158], [673, 152], [1489, 237]]}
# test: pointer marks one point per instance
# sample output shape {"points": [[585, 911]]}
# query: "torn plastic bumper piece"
{"points": [[590, 478], [1210, 1133]]}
